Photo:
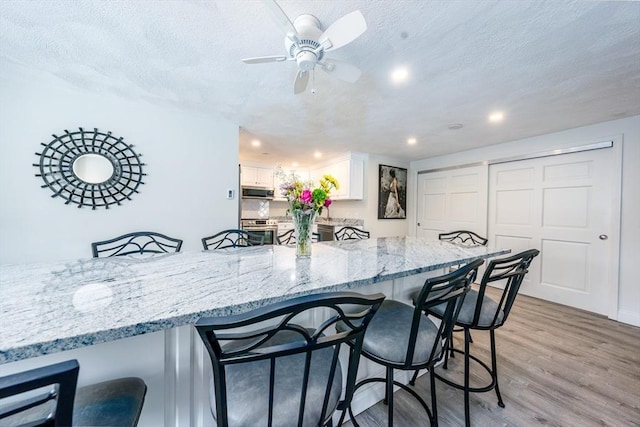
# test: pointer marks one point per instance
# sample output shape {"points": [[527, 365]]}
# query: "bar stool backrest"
{"points": [[255, 340], [463, 237], [232, 238], [510, 270], [139, 242], [61, 378]]}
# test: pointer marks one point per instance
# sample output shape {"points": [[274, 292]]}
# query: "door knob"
{"points": [[603, 237]]}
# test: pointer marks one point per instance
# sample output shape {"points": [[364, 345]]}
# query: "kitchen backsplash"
{"points": [[255, 209]]}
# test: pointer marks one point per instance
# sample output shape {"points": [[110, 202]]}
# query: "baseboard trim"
{"points": [[629, 317]]}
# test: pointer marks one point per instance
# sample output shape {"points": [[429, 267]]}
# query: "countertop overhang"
{"points": [[56, 306]]}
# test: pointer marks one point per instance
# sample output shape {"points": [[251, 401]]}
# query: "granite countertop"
{"points": [[336, 222], [56, 306]]}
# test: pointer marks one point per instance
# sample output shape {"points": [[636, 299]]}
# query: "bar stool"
{"points": [[403, 337], [481, 312], [269, 369], [110, 403]]}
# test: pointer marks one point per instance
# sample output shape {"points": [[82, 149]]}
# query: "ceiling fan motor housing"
{"points": [[306, 51]]}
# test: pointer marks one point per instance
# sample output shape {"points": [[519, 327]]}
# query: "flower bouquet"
{"points": [[304, 203]]}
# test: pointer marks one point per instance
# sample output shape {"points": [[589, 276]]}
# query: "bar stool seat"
{"points": [[467, 312], [388, 337]]}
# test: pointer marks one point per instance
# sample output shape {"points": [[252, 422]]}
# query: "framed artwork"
{"points": [[392, 192]]}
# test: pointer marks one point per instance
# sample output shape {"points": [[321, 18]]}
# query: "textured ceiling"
{"points": [[548, 65]]}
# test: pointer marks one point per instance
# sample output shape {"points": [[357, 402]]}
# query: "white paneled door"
{"points": [[454, 199], [565, 206]]}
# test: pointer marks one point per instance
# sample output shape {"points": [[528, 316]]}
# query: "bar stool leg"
{"points": [[494, 367], [434, 405], [467, 417], [389, 393]]}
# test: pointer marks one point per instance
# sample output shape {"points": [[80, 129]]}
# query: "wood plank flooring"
{"points": [[557, 366]]}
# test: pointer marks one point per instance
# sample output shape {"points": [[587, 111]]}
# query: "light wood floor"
{"points": [[557, 366]]}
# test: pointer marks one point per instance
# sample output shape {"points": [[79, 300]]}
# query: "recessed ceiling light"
{"points": [[455, 126], [294, 164], [317, 154], [255, 143], [399, 75], [496, 117], [411, 141]]}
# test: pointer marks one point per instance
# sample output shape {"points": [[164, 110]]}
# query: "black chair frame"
{"points": [[216, 335], [512, 271], [139, 242], [232, 238], [463, 237], [64, 374], [289, 237], [448, 289], [351, 233]]}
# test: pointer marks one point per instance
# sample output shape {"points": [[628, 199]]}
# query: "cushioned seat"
{"points": [[487, 312], [248, 387], [110, 403], [388, 336]]}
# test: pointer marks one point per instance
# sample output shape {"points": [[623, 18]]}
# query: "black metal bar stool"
{"points": [[481, 312], [138, 242], [403, 337], [232, 238], [270, 370], [109, 403]]}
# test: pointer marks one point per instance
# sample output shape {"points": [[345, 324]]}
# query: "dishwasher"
{"points": [[326, 232]]}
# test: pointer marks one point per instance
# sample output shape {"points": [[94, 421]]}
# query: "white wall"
{"points": [[191, 161], [629, 128]]}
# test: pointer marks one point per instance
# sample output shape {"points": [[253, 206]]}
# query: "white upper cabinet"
{"points": [[256, 177], [349, 171]]}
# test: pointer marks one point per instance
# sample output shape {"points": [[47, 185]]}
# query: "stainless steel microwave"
{"points": [[257, 193]]}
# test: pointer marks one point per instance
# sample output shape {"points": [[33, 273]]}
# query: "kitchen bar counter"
{"points": [[51, 307]]}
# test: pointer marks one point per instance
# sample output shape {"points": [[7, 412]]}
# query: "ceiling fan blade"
{"points": [[263, 59], [341, 70], [300, 84], [343, 31], [279, 17]]}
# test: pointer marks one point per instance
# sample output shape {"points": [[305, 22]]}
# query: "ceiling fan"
{"points": [[307, 44]]}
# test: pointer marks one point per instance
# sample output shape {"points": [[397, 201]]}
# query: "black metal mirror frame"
{"points": [[58, 157]]}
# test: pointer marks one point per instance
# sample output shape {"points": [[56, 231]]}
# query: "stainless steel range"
{"points": [[268, 228]]}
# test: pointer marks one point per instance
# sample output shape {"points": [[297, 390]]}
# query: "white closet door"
{"points": [[454, 199], [561, 205]]}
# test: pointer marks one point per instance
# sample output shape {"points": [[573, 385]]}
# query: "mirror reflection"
{"points": [[93, 168]]}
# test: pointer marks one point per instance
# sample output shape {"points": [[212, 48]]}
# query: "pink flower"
{"points": [[327, 203], [305, 197]]}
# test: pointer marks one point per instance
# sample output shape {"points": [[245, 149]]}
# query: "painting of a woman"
{"points": [[392, 192]]}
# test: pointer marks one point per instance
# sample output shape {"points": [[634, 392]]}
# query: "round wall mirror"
{"points": [[93, 168], [90, 168]]}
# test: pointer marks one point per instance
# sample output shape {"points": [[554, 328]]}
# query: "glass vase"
{"points": [[303, 225]]}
